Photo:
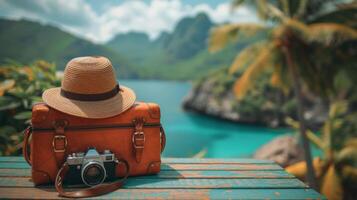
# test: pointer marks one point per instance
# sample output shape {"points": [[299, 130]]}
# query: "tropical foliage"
{"points": [[306, 36], [309, 44], [20, 87], [263, 104], [338, 142]]}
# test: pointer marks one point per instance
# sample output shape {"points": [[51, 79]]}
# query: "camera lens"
{"points": [[93, 173]]}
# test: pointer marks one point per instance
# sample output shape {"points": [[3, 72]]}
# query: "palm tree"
{"points": [[301, 34], [337, 173]]}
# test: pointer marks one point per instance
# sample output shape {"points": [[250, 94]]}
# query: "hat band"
{"points": [[91, 97]]}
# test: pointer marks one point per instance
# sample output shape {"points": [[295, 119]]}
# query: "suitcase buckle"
{"points": [[56, 140], [138, 136]]}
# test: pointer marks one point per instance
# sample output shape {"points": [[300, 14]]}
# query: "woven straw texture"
{"points": [[90, 75]]}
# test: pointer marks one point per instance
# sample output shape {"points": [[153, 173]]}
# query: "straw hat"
{"points": [[89, 89]]}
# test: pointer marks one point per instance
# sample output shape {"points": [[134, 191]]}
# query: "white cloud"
{"points": [[70, 13], [224, 13], [78, 17]]}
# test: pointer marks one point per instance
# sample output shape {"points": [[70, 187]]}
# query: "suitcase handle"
{"points": [[25, 149], [92, 191], [163, 138]]}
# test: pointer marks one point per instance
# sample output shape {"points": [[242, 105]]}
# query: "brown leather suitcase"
{"points": [[135, 136]]}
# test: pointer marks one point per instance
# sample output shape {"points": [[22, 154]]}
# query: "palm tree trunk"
{"points": [[311, 180]]}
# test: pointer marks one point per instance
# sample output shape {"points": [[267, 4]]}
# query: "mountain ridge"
{"points": [[25, 41], [179, 55]]}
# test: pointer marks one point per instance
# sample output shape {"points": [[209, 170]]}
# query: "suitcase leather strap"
{"points": [[92, 191], [138, 138], [59, 141], [28, 132], [25, 147]]}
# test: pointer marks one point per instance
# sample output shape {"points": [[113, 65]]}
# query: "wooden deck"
{"points": [[180, 178]]}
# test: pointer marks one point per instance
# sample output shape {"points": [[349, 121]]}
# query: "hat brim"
{"points": [[90, 109]]}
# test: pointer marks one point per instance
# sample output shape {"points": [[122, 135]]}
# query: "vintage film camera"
{"points": [[91, 168]]}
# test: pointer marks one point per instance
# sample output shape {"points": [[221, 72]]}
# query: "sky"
{"points": [[100, 20]]}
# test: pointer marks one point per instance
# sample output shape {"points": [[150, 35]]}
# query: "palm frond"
{"points": [[293, 26], [276, 79], [261, 63], [311, 135], [265, 10], [237, 3], [261, 6], [275, 13], [328, 34], [285, 6], [331, 33], [224, 34], [315, 139], [292, 8], [301, 9], [246, 56], [6, 85], [345, 14], [338, 108], [314, 7]]}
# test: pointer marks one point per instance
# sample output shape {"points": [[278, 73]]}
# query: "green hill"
{"points": [[189, 37], [26, 41], [180, 55], [134, 46]]}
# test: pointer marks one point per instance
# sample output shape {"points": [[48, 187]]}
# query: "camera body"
{"points": [[91, 168]]}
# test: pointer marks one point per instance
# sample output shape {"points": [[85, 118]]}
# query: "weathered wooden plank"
{"points": [[134, 182], [214, 183], [182, 178], [179, 174], [215, 160], [215, 174], [176, 160], [15, 173], [14, 165], [24, 193], [231, 167], [12, 159], [22, 165]]}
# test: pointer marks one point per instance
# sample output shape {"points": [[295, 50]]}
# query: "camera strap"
{"points": [[92, 191]]}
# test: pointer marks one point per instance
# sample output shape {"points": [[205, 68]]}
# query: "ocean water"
{"points": [[189, 134]]}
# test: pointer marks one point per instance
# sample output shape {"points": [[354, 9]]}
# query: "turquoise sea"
{"points": [[190, 133]]}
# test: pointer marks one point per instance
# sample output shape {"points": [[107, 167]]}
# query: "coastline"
{"points": [[267, 107]]}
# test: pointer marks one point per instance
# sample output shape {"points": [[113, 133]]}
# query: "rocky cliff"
{"points": [[213, 95]]}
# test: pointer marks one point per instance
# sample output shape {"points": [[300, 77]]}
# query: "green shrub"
{"points": [[20, 87]]}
